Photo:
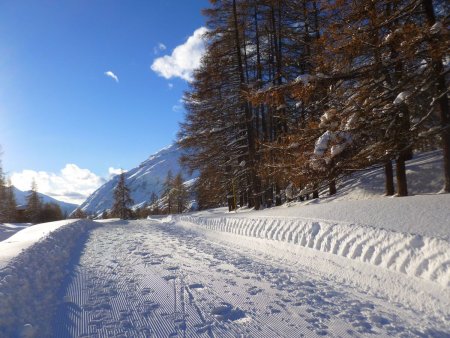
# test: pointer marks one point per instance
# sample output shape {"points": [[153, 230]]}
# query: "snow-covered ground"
{"points": [[174, 278], [218, 274], [9, 229], [33, 265], [345, 266]]}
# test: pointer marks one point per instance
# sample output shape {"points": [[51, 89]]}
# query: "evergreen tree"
{"points": [[122, 200], [180, 193], [3, 211], [34, 204], [168, 193], [79, 213], [10, 204], [154, 206], [50, 212]]}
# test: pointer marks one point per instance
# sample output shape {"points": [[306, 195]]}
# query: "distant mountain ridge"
{"points": [[21, 199], [146, 178]]}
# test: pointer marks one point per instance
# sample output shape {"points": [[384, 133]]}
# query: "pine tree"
{"points": [[34, 204], [168, 193], [50, 212], [154, 206], [10, 204], [122, 200], [180, 193], [79, 213], [3, 210]]}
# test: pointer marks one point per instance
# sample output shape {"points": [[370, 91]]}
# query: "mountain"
{"points": [[21, 199], [148, 177]]}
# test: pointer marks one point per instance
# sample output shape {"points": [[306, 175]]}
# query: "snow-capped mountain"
{"points": [[21, 199], [148, 177]]}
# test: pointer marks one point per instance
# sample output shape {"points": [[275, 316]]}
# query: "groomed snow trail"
{"points": [[151, 279]]}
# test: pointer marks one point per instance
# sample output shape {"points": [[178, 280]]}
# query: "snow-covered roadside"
{"points": [[9, 229], [414, 255], [23, 239], [426, 215], [398, 265], [410, 293], [33, 264]]}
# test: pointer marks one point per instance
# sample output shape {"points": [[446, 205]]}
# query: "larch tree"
{"points": [[122, 200], [180, 193], [298, 94]]}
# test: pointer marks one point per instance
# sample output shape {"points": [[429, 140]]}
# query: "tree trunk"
{"points": [[269, 195], [231, 205], [248, 115], [332, 188], [402, 187], [389, 183], [443, 101], [277, 194], [315, 193]]}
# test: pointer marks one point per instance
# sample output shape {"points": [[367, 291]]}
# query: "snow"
{"points": [[351, 122], [337, 149], [25, 238], [33, 265], [146, 178], [322, 143], [304, 78], [21, 199], [354, 264], [436, 28], [9, 229], [173, 277], [410, 235], [402, 97]]}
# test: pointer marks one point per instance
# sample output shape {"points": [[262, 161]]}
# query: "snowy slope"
{"points": [[148, 177], [11, 247], [371, 232], [424, 174], [33, 266], [21, 199]]}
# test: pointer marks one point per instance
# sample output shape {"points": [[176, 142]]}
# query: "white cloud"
{"points": [[159, 47], [114, 171], [177, 108], [184, 59], [72, 184], [112, 75]]}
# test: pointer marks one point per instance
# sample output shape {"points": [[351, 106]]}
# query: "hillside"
{"points": [[148, 177], [21, 199]]}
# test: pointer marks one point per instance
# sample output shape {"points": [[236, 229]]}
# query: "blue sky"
{"points": [[57, 105]]}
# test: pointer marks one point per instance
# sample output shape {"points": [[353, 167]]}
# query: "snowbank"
{"points": [[25, 238], [416, 255], [34, 265], [9, 229]]}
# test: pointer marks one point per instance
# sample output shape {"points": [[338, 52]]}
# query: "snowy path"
{"points": [[145, 278]]}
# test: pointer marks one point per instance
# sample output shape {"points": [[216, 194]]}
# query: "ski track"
{"points": [[152, 279]]}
